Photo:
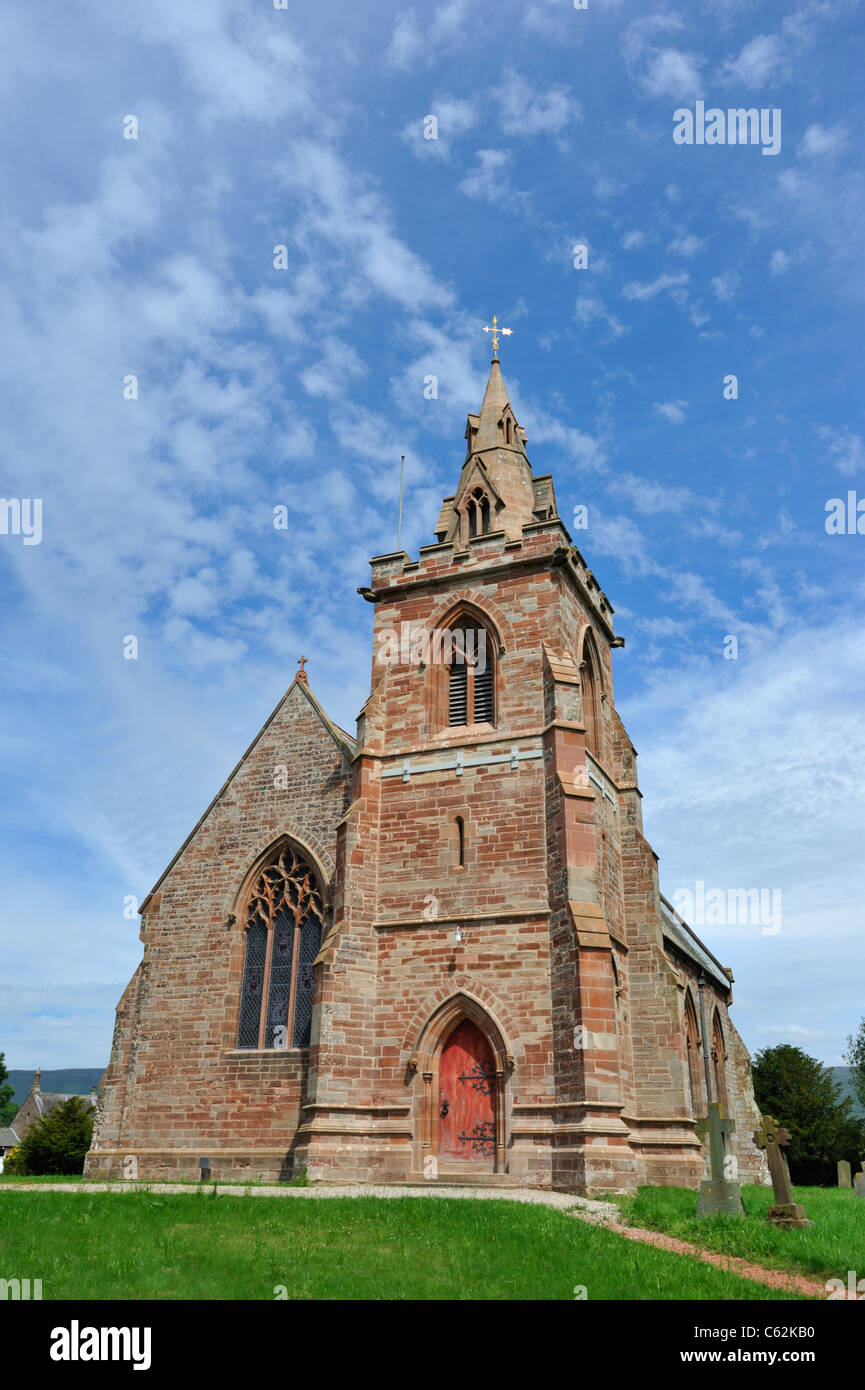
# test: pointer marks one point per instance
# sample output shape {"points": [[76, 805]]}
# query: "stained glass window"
{"points": [[285, 919]]}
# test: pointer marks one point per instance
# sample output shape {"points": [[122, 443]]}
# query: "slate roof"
{"points": [[8, 1139], [679, 934], [47, 1100], [544, 495]]}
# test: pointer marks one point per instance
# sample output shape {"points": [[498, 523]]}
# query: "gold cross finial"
{"points": [[495, 330]]}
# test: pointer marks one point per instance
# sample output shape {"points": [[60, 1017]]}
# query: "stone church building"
{"points": [[435, 951]]}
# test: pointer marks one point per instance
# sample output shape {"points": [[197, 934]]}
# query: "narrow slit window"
{"points": [[461, 842]]}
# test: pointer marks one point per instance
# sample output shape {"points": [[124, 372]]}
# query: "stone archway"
{"points": [[473, 1048]]}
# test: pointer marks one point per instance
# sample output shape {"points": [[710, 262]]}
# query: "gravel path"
{"points": [[584, 1208], [564, 1201]]}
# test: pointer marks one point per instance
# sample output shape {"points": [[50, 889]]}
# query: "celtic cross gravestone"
{"points": [[773, 1137]]}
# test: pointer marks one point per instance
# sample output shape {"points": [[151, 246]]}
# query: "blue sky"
{"points": [[259, 387]]}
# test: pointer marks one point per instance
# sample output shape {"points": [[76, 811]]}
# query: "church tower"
{"points": [[496, 1001]]}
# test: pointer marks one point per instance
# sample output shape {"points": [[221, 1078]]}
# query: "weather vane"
{"points": [[495, 330]]}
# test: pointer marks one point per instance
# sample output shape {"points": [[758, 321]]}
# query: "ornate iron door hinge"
{"points": [[480, 1078], [482, 1137]]}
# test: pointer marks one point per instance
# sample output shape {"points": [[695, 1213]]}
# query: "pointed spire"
{"points": [[495, 402]]}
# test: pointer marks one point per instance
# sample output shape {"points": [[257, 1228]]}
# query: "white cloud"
{"points": [[673, 411], [820, 140], [725, 286], [338, 364], [413, 45], [636, 289], [590, 307], [605, 187], [454, 118], [525, 112], [686, 244], [845, 449], [633, 239], [658, 68], [339, 209], [673, 73], [490, 179], [757, 61]]}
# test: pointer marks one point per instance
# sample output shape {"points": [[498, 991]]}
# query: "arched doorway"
{"points": [[462, 1059], [467, 1099]]}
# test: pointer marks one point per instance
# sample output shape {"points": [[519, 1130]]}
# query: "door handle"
{"points": [[446, 1105]]}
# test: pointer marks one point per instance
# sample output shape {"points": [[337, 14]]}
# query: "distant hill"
{"points": [[842, 1076], [74, 1081]]}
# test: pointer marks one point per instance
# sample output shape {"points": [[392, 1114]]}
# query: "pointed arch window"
{"points": [[590, 687], [718, 1059], [285, 919], [692, 1038], [478, 508], [471, 684]]}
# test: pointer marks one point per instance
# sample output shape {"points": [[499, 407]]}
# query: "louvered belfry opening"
{"points": [[470, 679], [458, 693], [483, 695], [285, 921]]}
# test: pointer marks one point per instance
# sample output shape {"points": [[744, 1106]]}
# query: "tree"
{"points": [[8, 1107], [57, 1143], [855, 1059], [799, 1092]]}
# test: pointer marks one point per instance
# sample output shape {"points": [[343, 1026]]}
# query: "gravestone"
{"points": [[844, 1178], [719, 1195], [859, 1184], [772, 1137]]}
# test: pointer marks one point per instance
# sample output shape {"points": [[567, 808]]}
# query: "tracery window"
{"points": [[284, 926], [478, 507]]}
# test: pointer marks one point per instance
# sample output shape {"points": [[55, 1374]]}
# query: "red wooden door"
{"points": [[467, 1097]]}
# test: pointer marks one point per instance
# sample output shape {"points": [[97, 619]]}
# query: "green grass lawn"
{"points": [[145, 1245], [10, 1178], [831, 1246]]}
